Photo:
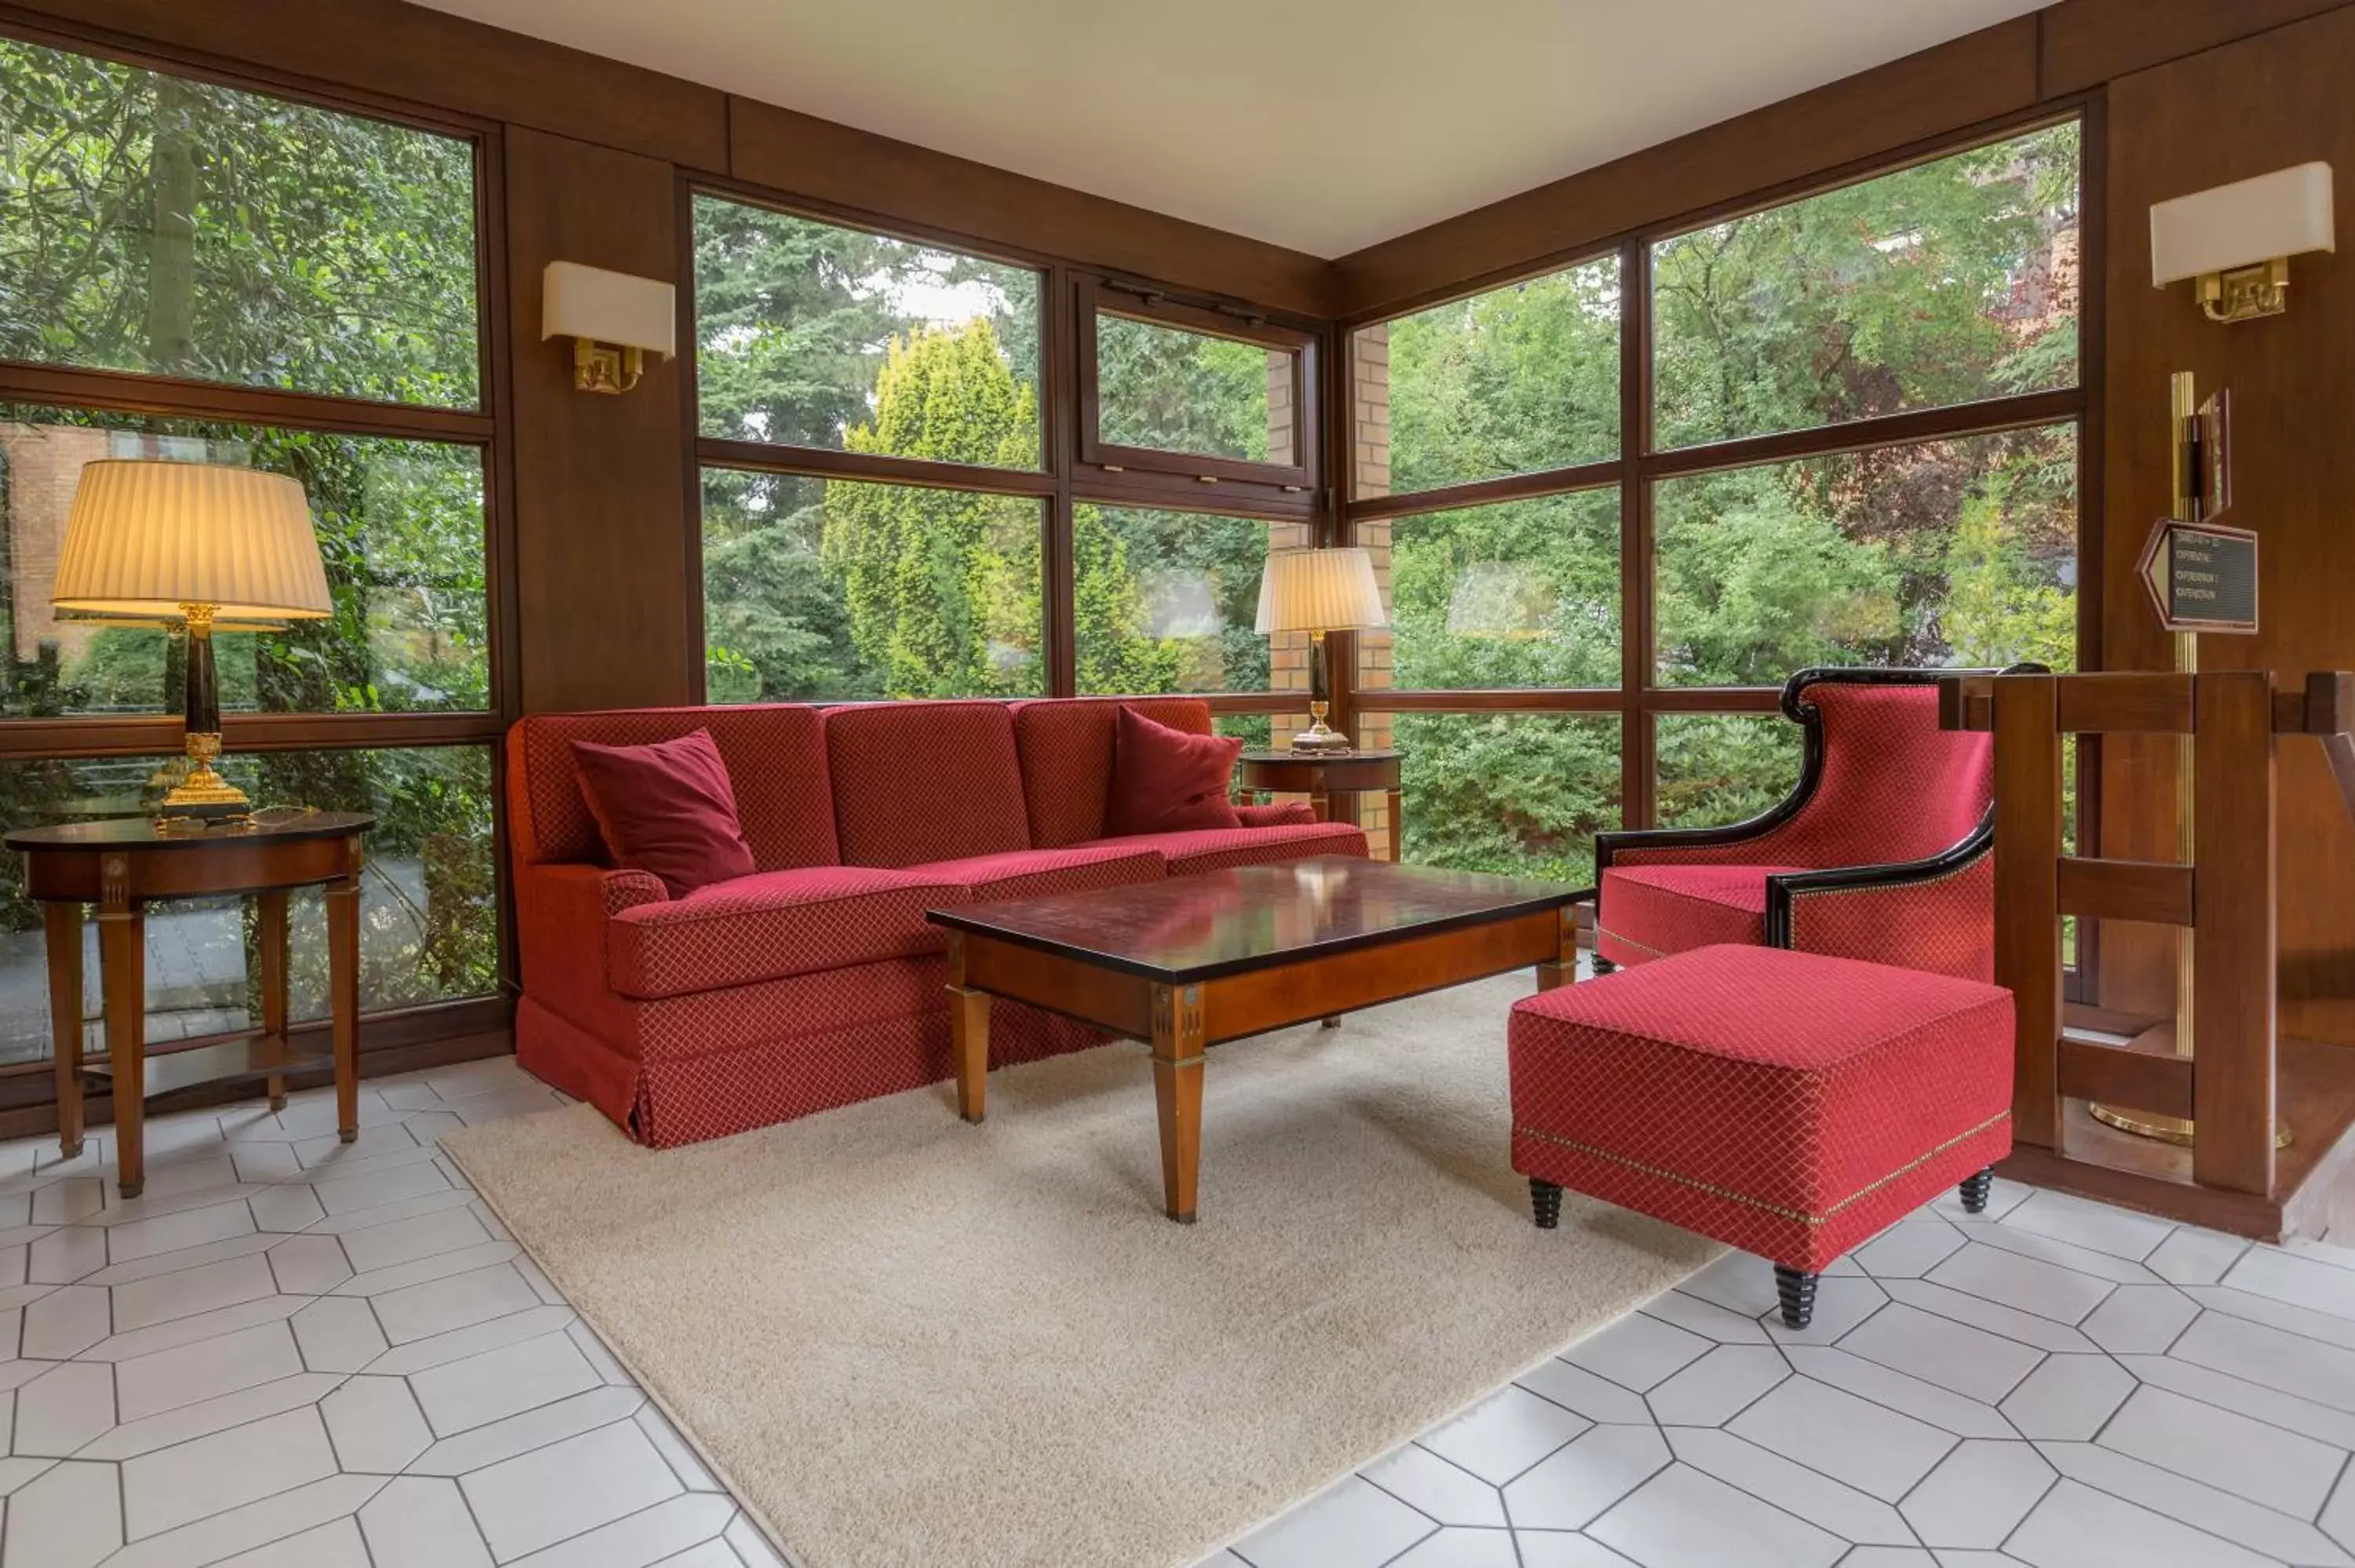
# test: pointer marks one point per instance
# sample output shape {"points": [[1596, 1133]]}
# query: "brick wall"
{"points": [[42, 464], [1370, 466]]}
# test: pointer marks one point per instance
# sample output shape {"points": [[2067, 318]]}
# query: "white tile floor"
{"points": [[2054, 1382], [292, 1354], [289, 1353]]}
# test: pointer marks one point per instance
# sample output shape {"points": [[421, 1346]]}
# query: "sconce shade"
{"points": [[608, 307], [2283, 214], [145, 537], [1320, 590]]}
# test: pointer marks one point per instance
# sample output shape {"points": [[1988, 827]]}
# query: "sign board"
{"points": [[2202, 577]]}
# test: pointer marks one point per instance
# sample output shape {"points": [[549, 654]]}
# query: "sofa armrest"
{"points": [[1936, 914], [1287, 813], [560, 916]]}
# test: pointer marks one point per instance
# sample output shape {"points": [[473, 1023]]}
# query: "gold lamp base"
{"points": [[2174, 1129], [203, 786], [1317, 736]]}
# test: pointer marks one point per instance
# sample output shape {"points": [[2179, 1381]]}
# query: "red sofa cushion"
{"points": [[776, 765], [924, 781], [1066, 748], [1787, 1104], [774, 923], [1646, 912], [1215, 848], [666, 807], [1039, 873], [1164, 781]]}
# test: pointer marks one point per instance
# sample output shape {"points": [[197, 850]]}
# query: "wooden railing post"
{"points": [[2028, 894], [2232, 922]]}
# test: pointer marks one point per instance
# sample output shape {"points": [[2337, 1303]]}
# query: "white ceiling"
{"points": [[1321, 125]]}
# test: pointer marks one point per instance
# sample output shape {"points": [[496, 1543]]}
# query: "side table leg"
{"points": [[122, 958], [1177, 1092], [269, 920], [63, 937], [344, 994]]}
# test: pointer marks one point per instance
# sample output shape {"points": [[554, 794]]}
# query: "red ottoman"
{"points": [[1785, 1103]]}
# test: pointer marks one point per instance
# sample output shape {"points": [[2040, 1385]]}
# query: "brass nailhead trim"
{"points": [[1777, 1209], [1603, 931]]}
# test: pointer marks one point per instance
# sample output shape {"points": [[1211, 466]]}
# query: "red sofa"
{"points": [[817, 982]]}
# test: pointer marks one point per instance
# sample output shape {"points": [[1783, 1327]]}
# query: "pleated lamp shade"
{"points": [[145, 537], [1320, 590]]}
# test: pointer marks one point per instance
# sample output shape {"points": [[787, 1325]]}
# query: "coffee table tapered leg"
{"points": [[1177, 1091], [969, 1029]]}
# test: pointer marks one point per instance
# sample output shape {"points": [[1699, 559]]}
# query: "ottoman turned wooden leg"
{"points": [[1545, 1199], [1796, 1289], [1975, 1190]]}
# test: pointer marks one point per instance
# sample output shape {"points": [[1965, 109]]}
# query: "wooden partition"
{"points": [[2237, 1081]]}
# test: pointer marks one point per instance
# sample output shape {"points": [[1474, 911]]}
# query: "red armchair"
{"points": [[1882, 853]]}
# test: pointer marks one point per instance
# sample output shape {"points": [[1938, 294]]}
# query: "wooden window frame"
{"points": [[1138, 302], [1639, 699], [447, 1031]]}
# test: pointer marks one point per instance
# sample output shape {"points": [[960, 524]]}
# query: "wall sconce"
{"points": [[2237, 239], [612, 318]]}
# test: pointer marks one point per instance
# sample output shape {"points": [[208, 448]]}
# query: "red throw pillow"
{"points": [[666, 807], [1164, 781]]}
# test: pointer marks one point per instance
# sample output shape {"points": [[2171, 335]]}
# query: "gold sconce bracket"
{"points": [[2246, 293], [603, 367]]}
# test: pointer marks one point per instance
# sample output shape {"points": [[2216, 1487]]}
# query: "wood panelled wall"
{"points": [[2259, 104], [2190, 92]]}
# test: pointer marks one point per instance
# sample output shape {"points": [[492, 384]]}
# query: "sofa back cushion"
{"points": [[919, 781], [1066, 743], [776, 765]]}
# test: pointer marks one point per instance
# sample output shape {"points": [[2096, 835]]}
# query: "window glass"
{"points": [[815, 335], [151, 223], [1522, 794], [401, 530], [831, 589], [1169, 602], [429, 915], [1960, 552], [1520, 593], [1712, 769], [1171, 391], [1946, 283], [1517, 380]]}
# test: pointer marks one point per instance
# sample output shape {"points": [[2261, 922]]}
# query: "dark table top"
{"points": [[149, 833], [1189, 928], [1285, 754]]}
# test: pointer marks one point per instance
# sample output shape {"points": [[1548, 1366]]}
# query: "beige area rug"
{"points": [[905, 1340]]}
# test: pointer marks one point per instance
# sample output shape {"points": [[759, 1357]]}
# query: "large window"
{"points": [[1863, 446], [874, 519], [236, 278], [1167, 601]]}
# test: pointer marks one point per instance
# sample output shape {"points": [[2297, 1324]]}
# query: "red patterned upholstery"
{"points": [[1039, 873], [1944, 925], [1891, 788], [1215, 848], [816, 981], [1661, 910], [776, 924], [1063, 741], [1783, 1103], [1283, 814], [924, 781], [776, 764]]}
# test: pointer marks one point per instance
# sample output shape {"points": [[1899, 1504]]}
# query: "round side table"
{"points": [[121, 865], [1320, 775]]}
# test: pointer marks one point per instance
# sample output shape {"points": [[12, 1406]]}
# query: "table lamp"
{"points": [[1317, 591], [197, 545]]}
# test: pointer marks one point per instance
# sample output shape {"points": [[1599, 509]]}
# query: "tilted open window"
{"points": [[1172, 388]]}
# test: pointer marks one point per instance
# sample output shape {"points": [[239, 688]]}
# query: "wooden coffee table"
{"points": [[1198, 960]]}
